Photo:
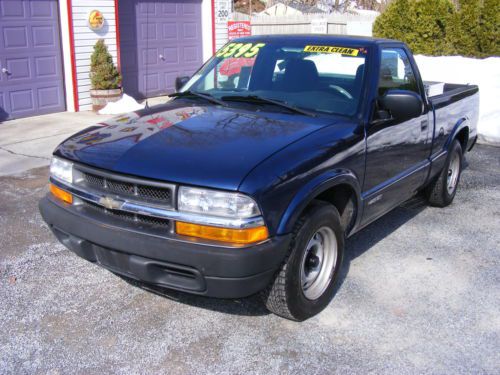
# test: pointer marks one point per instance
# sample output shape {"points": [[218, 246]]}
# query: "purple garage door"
{"points": [[31, 74], [159, 40]]}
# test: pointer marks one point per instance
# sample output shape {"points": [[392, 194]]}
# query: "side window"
{"points": [[396, 72]]}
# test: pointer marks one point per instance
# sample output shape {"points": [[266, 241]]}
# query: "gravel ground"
{"points": [[419, 293]]}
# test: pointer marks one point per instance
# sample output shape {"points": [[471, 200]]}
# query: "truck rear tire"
{"points": [[305, 283], [442, 190]]}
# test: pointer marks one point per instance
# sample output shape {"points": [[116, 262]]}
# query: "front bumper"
{"points": [[210, 270]]}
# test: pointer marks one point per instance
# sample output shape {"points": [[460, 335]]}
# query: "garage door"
{"points": [[31, 73], [159, 41]]}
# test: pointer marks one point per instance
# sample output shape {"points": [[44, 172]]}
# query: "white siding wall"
{"points": [[206, 29], [85, 39], [221, 37], [66, 52]]}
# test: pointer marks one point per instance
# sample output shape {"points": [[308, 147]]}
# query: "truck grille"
{"points": [[162, 195], [128, 216]]}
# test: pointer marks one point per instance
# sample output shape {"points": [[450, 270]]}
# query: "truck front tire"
{"points": [[305, 283], [442, 190]]}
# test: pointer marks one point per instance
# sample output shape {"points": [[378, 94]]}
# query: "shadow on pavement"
{"points": [[368, 237], [250, 306]]}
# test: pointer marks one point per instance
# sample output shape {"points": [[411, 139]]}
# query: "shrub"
{"points": [[489, 30], [103, 73], [436, 27], [432, 19], [397, 22], [463, 31], [420, 24]]}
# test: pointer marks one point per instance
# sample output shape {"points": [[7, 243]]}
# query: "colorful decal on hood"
{"points": [[93, 138], [128, 119], [118, 129], [129, 129]]}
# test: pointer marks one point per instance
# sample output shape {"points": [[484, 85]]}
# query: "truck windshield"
{"points": [[319, 78]]}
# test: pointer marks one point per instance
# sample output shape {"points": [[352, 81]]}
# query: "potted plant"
{"points": [[105, 79]]}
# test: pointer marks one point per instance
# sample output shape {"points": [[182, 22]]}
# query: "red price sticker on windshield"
{"points": [[247, 50], [332, 49]]}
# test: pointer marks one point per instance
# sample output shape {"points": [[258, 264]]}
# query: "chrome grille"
{"points": [[120, 187], [153, 193], [133, 190], [128, 216], [93, 180]]}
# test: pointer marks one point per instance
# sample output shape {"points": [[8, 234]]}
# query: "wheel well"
{"points": [[343, 197], [463, 138]]}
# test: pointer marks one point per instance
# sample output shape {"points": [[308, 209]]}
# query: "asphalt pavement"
{"points": [[419, 293]]}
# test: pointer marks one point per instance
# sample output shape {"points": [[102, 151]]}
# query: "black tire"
{"points": [[438, 192], [285, 296]]}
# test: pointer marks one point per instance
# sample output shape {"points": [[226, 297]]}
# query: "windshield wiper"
{"points": [[260, 99], [208, 97]]}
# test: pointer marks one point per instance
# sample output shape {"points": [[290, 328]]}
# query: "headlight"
{"points": [[217, 203], [61, 170]]}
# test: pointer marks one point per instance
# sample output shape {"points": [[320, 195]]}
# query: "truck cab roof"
{"points": [[330, 39]]}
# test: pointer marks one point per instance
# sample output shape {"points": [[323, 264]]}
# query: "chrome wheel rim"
{"points": [[453, 171], [318, 263]]}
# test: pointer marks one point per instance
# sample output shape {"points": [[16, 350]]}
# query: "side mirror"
{"points": [[180, 81], [402, 104]]}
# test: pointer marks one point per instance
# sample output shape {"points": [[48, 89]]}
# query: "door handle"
{"points": [[5, 70], [161, 57], [424, 124]]}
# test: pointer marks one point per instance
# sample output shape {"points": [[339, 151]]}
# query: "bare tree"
{"points": [[337, 5]]}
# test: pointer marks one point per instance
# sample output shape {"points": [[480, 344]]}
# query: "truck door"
{"points": [[397, 152]]}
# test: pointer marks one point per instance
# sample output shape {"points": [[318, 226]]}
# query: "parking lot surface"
{"points": [[419, 293]]}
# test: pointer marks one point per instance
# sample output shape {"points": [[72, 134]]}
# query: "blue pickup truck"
{"points": [[251, 177]]}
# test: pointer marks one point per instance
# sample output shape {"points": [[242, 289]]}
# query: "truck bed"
{"points": [[457, 103], [439, 90]]}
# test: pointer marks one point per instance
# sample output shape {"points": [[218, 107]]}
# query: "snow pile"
{"points": [[485, 73], [124, 105]]}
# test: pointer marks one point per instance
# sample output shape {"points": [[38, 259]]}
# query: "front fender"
{"points": [[312, 189]]}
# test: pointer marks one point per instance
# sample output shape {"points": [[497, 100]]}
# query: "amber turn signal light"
{"points": [[61, 194], [236, 236]]}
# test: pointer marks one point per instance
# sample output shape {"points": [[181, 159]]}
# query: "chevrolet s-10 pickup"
{"points": [[250, 179]]}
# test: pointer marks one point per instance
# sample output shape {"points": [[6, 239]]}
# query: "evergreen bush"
{"points": [[463, 31], [103, 73], [432, 20], [489, 30], [397, 22], [436, 27]]}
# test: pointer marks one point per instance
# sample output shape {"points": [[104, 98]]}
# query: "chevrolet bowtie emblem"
{"points": [[110, 203]]}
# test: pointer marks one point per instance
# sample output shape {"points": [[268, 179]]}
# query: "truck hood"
{"points": [[181, 142]]}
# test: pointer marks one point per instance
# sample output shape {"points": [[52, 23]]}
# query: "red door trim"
{"points": [[117, 25], [72, 53], [213, 27]]}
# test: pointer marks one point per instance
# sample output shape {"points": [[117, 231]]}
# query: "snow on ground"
{"points": [[124, 105], [485, 73]]}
